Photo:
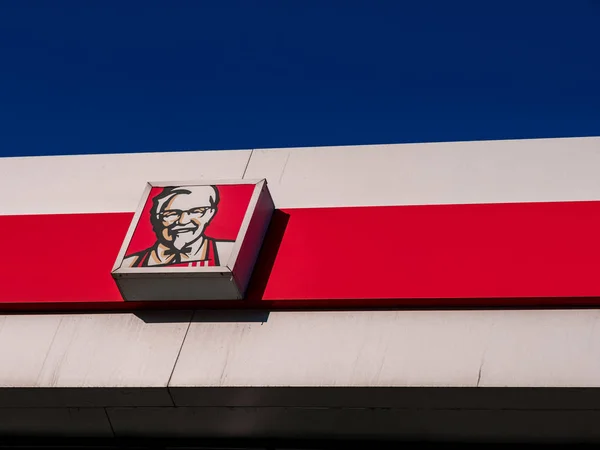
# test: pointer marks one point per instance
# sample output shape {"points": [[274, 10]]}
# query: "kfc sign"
{"points": [[194, 241]]}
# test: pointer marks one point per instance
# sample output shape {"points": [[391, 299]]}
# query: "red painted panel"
{"points": [[61, 258], [445, 251], [453, 255]]}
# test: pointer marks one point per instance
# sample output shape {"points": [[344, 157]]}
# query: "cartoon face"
{"points": [[189, 225], [182, 214]]}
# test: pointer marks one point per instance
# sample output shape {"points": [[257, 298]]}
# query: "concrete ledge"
{"points": [[83, 397], [478, 415], [408, 398], [54, 422], [415, 398], [364, 424]]}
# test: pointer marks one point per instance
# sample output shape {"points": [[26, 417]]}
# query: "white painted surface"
{"points": [[437, 173], [394, 348], [104, 183], [433, 173], [543, 349], [360, 348], [90, 350]]}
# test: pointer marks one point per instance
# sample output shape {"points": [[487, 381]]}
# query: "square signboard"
{"points": [[194, 240]]}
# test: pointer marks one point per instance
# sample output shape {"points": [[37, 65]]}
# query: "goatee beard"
{"points": [[179, 243]]}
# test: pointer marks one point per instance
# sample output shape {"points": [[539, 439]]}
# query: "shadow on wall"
{"points": [[213, 316], [207, 316], [256, 288], [267, 256]]}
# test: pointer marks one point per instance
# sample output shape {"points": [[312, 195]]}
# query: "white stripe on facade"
{"points": [[103, 183], [437, 173], [440, 173]]}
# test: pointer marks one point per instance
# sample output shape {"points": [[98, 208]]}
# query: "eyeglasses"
{"points": [[173, 215]]}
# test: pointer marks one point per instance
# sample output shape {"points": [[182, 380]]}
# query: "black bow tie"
{"points": [[174, 251], [178, 253]]}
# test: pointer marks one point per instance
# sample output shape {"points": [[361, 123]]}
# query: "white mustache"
{"points": [[183, 228]]}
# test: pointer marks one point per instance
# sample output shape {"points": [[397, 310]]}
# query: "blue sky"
{"points": [[129, 76]]}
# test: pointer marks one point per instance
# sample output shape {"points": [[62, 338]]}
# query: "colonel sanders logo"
{"points": [[179, 218]]}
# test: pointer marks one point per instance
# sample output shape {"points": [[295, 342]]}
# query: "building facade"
{"points": [[440, 292]]}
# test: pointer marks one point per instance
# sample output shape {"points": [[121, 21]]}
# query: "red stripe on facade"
{"points": [[453, 255]]}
